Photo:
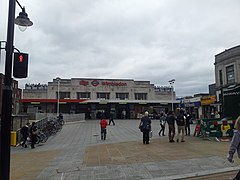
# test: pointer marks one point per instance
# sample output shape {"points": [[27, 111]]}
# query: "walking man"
{"points": [[112, 116]]}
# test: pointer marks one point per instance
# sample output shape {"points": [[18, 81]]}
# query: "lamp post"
{"points": [[58, 85], [7, 90], [171, 84]]}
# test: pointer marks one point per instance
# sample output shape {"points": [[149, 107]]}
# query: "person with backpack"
{"points": [[181, 122]]}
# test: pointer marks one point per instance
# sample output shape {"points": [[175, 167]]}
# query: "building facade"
{"points": [[95, 97], [227, 78]]}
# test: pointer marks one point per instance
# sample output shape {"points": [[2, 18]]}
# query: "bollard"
{"points": [[13, 138]]}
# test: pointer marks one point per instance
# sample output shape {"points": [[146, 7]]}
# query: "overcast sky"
{"points": [[155, 40]]}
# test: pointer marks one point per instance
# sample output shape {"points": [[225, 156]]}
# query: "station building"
{"points": [[126, 97]]}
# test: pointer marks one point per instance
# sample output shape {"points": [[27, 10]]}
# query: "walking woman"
{"points": [[162, 124], [235, 145]]}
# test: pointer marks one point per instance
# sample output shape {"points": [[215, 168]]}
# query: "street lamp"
{"points": [[7, 93], [171, 84], [58, 81]]}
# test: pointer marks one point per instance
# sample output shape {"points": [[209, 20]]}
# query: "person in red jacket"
{"points": [[103, 124]]}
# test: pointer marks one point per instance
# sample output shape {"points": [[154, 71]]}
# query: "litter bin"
{"points": [[13, 138]]}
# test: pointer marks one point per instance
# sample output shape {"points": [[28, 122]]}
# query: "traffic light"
{"points": [[20, 66]]}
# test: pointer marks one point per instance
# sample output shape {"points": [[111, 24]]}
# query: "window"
{"points": [[122, 96], [140, 96], [230, 74], [220, 78], [83, 95], [63, 95], [103, 95]]}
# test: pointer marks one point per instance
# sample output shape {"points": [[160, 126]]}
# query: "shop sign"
{"points": [[35, 102], [207, 100], [104, 83], [95, 83], [84, 83], [103, 102], [112, 83], [193, 104]]}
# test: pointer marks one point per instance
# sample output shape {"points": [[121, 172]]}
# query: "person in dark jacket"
{"points": [[235, 145], [171, 126], [112, 116], [33, 135], [146, 127], [25, 133]]}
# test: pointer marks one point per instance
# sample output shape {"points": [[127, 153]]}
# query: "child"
{"points": [[197, 129], [103, 124]]}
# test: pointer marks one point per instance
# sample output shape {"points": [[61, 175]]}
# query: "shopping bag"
{"points": [[150, 134]]}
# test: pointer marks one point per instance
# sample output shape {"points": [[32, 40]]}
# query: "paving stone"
{"points": [[80, 154]]}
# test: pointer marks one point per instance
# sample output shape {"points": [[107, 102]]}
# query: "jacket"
{"points": [[235, 144], [146, 123], [171, 119], [103, 123]]}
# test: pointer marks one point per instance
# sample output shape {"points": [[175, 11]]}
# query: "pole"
{"points": [[58, 98], [7, 99], [172, 97]]}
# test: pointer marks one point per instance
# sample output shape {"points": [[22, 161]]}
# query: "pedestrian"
{"points": [[60, 118], [235, 145], [103, 124], [112, 115], [146, 127], [162, 120], [124, 114], [25, 133], [33, 134], [187, 126], [171, 126], [181, 122]]}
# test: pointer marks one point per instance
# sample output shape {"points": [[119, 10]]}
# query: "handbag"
{"points": [[141, 126], [150, 134]]}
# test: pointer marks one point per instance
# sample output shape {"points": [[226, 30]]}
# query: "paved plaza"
{"points": [[77, 153]]}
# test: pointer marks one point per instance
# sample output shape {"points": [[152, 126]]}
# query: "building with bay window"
{"points": [[97, 96], [227, 78]]}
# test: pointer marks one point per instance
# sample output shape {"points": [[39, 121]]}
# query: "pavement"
{"points": [[77, 153]]}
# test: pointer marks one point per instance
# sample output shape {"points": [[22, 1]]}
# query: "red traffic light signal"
{"points": [[20, 66]]}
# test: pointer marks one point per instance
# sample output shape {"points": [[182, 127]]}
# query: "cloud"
{"points": [[155, 40]]}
